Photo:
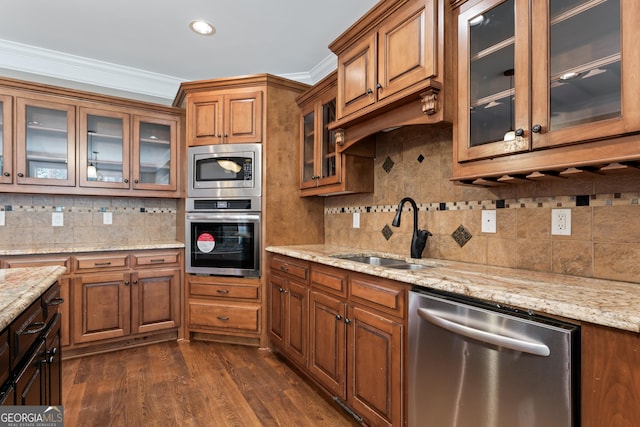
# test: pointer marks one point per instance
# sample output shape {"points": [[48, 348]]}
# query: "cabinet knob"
{"points": [[135, 282], [281, 290], [20, 174], [536, 128], [136, 181], [347, 320], [126, 283], [519, 132], [219, 136], [378, 86], [369, 91], [338, 317], [284, 268], [6, 174]]}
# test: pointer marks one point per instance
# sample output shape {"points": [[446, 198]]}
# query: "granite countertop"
{"points": [[20, 287], [32, 249], [603, 302]]}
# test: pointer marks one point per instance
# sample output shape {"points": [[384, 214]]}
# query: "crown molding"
{"points": [[58, 65]]}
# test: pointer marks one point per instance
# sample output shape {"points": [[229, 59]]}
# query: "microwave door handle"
{"points": [[534, 348]]}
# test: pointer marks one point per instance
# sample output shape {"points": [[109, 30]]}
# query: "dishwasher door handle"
{"points": [[535, 348]]}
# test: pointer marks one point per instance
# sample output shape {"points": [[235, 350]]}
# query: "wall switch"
{"points": [[57, 219], [489, 221], [561, 222], [1, 218], [356, 220], [107, 218]]}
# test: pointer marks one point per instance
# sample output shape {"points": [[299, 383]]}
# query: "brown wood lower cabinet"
{"points": [[354, 328]]}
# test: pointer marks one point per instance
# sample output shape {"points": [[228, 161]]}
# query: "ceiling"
{"points": [[144, 49]]}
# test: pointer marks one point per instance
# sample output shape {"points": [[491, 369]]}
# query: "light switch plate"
{"points": [[107, 218], [1, 218], [356, 220], [57, 219], [489, 221]]}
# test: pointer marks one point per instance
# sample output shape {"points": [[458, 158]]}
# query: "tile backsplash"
{"points": [[28, 220], [415, 161]]}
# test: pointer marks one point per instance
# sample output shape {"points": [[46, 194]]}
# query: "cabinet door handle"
{"points": [[338, 317], [369, 91], [284, 268], [34, 328], [135, 282], [6, 174], [20, 174], [126, 181], [378, 86], [223, 318], [55, 301], [226, 291], [101, 264], [536, 128], [157, 260], [519, 132], [347, 320], [126, 283], [136, 181], [281, 290]]}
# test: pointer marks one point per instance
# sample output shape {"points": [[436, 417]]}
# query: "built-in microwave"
{"points": [[225, 170]]}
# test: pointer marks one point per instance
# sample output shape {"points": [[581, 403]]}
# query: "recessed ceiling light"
{"points": [[202, 27]]}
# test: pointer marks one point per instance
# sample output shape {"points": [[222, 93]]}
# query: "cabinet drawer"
{"points": [[153, 259], [331, 279], [24, 331], [377, 293], [227, 316], [4, 356], [51, 301], [224, 290], [35, 261], [101, 262], [295, 268]]}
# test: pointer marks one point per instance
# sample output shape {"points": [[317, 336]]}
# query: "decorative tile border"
{"points": [[614, 199]]}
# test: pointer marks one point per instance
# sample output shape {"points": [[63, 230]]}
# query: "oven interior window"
{"points": [[223, 245], [224, 169]]}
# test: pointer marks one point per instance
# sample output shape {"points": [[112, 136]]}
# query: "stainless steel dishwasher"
{"points": [[476, 364]]}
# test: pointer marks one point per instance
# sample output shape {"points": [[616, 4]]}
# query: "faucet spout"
{"points": [[419, 238]]}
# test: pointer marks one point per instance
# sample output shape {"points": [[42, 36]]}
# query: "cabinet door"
{"points": [[308, 176], [297, 313], [277, 304], [577, 92], [155, 153], [205, 119], [243, 117], [375, 367], [407, 47], [6, 140], [101, 306], [155, 300], [357, 77], [30, 382], [45, 143], [327, 342], [104, 148], [493, 79], [320, 163]]}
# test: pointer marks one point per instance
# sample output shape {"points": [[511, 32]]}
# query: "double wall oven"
{"points": [[223, 218]]}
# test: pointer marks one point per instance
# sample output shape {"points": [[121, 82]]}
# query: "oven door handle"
{"points": [[223, 217], [530, 347]]}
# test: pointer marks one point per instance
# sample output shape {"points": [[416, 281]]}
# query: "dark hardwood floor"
{"points": [[191, 384]]}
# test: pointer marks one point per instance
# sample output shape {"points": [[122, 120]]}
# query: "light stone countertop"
{"points": [[20, 287], [603, 302], [47, 248]]}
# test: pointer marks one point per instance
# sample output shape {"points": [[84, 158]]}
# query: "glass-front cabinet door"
{"points": [[493, 79], [320, 165], [154, 153], [104, 148], [580, 89], [309, 147], [45, 143], [6, 152]]}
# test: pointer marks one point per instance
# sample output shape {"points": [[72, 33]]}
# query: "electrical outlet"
{"points": [[1, 218], [57, 219], [107, 218], [356, 220], [561, 222], [489, 221]]}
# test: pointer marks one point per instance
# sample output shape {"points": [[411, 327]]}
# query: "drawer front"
{"points": [[5, 366], [221, 290], [24, 331], [381, 294], [227, 316], [101, 262], [36, 261], [331, 279], [153, 259], [51, 301], [295, 268]]}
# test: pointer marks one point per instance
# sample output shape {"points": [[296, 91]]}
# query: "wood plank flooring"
{"points": [[191, 384]]}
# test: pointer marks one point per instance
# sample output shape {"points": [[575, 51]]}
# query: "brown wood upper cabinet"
{"points": [[534, 75], [392, 56], [323, 170], [224, 117], [6, 140]]}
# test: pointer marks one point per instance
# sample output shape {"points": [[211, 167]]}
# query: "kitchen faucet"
{"points": [[419, 238]]}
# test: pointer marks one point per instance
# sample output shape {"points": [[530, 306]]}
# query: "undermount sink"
{"points": [[383, 262]]}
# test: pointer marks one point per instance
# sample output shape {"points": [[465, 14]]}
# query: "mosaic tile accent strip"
{"points": [[614, 199], [461, 236]]}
